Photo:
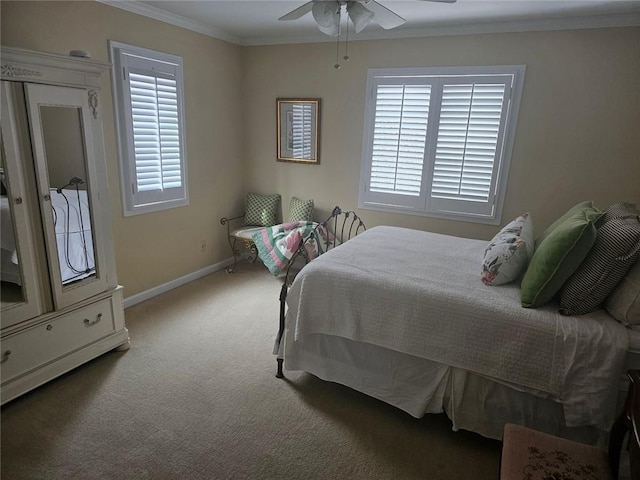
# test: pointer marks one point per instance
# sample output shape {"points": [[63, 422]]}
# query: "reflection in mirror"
{"points": [[66, 165], [11, 291]]}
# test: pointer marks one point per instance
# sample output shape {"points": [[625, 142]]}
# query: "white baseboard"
{"points": [[165, 287]]}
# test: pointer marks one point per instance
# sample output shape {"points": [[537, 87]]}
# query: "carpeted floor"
{"points": [[196, 398]]}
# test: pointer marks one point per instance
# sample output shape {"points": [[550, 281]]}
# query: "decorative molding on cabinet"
{"points": [[13, 71], [51, 68], [93, 103]]}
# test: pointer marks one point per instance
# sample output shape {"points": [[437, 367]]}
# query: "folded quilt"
{"points": [[276, 245]]}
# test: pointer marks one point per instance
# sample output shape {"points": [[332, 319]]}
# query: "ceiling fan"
{"points": [[361, 12]]}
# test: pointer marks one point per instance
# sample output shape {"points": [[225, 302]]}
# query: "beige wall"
{"points": [[578, 133], [578, 136], [155, 248]]}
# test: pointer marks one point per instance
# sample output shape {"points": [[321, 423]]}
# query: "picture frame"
{"points": [[297, 130]]}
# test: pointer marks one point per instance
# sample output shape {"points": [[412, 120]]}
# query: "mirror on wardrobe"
{"points": [[64, 148], [10, 274]]}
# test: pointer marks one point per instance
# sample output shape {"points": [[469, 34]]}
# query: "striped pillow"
{"points": [[619, 211], [615, 250]]}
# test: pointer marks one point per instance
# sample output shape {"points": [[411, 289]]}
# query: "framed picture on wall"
{"points": [[297, 136]]}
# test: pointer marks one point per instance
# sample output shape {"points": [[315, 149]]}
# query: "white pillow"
{"points": [[624, 302], [509, 252]]}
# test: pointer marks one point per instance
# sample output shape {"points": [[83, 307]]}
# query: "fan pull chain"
{"points": [[346, 43], [337, 65]]}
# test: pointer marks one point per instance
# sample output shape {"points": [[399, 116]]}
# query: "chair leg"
{"points": [[234, 249], [253, 251]]}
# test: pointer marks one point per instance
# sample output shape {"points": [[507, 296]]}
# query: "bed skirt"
{"points": [[419, 386]]}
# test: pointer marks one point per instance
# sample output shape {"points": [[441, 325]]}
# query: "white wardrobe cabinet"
{"points": [[61, 303]]}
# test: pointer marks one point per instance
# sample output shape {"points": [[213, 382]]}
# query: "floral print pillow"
{"points": [[509, 252]]}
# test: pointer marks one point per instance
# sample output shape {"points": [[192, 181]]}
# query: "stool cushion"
{"points": [[532, 455]]}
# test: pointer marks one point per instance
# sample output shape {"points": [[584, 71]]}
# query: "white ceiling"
{"points": [[255, 22]]}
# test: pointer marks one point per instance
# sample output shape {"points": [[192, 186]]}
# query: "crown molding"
{"points": [[537, 25], [161, 15]]}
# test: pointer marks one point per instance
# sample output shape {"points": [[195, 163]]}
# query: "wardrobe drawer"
{"points": [[43, 343]]}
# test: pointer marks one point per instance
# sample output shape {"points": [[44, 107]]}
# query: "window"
{"points": [[438, 141], [148, 95]]}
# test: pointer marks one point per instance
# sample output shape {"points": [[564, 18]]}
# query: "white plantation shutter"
{"points": [[400, 130], [156, 136], [468, 147], [151, 127], [437, 141]]}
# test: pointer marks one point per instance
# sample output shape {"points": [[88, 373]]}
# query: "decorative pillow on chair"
{"points": [[261, 210], [558, 256], [624, 303], [509, 252], [615, 250], [300, 210]]}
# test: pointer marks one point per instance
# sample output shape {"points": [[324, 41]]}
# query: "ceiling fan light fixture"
{"points": [[327, 16], [360, 15]]}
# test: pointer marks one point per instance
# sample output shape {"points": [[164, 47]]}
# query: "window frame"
{"points": [[164, 65], [422, 204]]}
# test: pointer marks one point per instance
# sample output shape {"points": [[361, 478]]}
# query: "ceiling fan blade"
{"points": [[383, 16], [298, 12], [441, 1]]}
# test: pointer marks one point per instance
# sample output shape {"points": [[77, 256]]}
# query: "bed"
{"points": [[401, 315], [74, 240]]}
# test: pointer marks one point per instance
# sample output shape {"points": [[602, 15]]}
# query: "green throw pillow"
{"points": [[572, 211], [558, 256], [300, 210], [261, 210]]}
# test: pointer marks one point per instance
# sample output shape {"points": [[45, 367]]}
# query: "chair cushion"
{"points": [[534, 455], [261, 210], [246, 233]]}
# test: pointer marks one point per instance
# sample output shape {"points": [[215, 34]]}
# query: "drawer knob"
{"points": [[5, 355], [88, 322], [49, 327]]}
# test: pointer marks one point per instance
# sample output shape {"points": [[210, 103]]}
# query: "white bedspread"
{"points": [[420, 293]]}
